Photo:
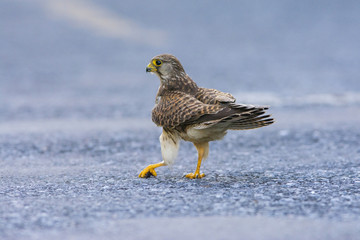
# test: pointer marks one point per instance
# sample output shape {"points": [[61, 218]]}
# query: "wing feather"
{"points": [[176, 108], [207, 109]]}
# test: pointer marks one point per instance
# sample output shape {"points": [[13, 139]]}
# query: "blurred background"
{"points": [[82, 59], [76, 129]]}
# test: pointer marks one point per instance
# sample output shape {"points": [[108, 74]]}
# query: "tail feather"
{"points": [[250, 123], [254, 118], [237, 117]]}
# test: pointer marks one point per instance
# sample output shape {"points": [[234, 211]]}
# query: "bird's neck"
{"points": [[178, 83]]}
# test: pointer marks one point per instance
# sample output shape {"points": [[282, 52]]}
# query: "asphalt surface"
{"points": [[75, 125]]}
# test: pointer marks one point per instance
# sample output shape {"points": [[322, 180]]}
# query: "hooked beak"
{"points": [[150, 68]]}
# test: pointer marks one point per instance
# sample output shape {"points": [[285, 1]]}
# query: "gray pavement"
{"points": [[75, 125]]}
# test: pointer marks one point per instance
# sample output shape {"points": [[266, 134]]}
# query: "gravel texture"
{"points": [[60, 181]]}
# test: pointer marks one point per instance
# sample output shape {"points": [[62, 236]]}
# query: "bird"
{"points": [[199, 115]]}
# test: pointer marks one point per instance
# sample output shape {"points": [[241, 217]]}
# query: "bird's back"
{"points": [[213, 96]]}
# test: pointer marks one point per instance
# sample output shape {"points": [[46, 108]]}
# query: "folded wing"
{"points": [[209, 108]]}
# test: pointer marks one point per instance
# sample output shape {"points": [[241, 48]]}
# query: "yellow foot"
{"points": [[147, 172], [195, 175]]}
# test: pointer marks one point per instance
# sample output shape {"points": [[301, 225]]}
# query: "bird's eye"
{"points": [[157, 62]]}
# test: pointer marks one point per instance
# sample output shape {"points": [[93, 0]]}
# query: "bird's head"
{"points": [[166, 66]]}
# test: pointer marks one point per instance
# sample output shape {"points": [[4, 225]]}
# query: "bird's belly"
{"points": [[202, 135]]}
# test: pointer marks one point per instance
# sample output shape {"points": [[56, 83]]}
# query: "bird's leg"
{"points": [[150, 170], [202, 149], [169, 143]]}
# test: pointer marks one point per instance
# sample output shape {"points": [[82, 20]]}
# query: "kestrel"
{"points": [[191, 113]]}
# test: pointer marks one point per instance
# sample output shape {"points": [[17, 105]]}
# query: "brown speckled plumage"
{"points": [[188, 112], [182, 102], [177, 108]]}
